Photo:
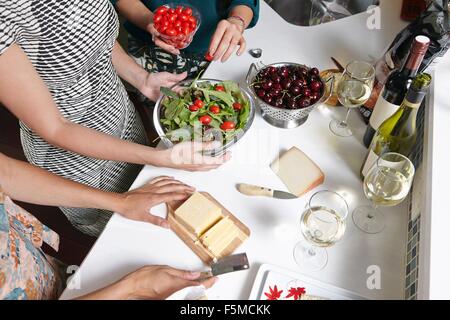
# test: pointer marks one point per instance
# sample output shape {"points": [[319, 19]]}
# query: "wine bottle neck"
{"points": [[412, 64]]}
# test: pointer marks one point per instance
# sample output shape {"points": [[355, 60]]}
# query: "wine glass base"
{"points": [[368, 219], [340, 129], [310, 258]]}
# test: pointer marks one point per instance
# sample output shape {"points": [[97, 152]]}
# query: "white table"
{"points": [[126, 245]]}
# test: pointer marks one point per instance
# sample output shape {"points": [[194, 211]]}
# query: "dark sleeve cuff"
{"points": [[252, 4]]}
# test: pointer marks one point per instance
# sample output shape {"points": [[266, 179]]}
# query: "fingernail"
{"points": [[165, 225]]}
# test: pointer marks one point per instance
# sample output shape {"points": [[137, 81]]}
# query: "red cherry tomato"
{"points": [[184, 17], [172, 11], [209, 57], [214, 109], [179, 9], [219, 88], [162, 10], [157, 18], [171, 32], [205, 119], [187, 11], [199, 103], [193, 25], [185, 31], [162, 28], [193, 108], [177, 24], [227, 125], [173, 18], [192, 19], [237, 106]]}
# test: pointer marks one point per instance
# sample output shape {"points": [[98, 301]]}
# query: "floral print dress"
{"points": [[26, 273]]}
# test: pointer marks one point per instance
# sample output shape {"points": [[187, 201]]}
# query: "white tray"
{"points": [[270, 275]]}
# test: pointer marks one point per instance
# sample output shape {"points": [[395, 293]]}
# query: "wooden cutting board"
{"points": [[194, 243]]}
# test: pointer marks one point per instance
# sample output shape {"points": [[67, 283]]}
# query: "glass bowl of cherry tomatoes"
{"points": [[177, 23]]}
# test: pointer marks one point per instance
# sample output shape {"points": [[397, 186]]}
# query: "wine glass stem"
{"points": [[374, 207], [312, 251], [345, 122]]}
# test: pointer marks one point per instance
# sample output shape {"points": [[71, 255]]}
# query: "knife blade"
{"points": [[233, 263], [252, 190]]}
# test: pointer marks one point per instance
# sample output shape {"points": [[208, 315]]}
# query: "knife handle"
{"points": [[251, 190]]}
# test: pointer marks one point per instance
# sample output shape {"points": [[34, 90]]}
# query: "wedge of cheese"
{"points": [[198, 214], [219, 237], [297, 171]]}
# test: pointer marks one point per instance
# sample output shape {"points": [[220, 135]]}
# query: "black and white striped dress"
{"points": [[69, 42]]}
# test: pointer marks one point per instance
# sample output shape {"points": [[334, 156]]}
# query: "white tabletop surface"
{"points": [[126, 245]]}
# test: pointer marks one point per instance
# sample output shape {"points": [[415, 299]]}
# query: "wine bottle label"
{"points": [[370, 161], [411, 105], [382, 110]]}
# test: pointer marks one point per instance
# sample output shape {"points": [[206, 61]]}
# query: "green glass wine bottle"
{"points": [[398, 132]]}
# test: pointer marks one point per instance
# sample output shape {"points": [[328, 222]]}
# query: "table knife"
{"points": [[251, 190], [233, 263]]}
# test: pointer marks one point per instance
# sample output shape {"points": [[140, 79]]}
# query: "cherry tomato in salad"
{"points": [[219, 88], [228, 125], [205, 119], [214, 109], [237, 106], [199, 103], [188, 11], [193, 108]]}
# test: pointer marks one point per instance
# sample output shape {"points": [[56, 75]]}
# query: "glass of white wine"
{"points": [[387, 184], [354, 89], [322, 224]]}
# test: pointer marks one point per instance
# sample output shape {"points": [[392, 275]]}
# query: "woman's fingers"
{"points": [[233, 44], [174, 187], [224, 45], [208, 283], [175, 78], [242, 46], [157, 221], [167, 47], [154, 180], [217, 37]]}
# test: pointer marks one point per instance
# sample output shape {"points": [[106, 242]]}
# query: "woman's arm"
{"points": [[229, 33], [26, 95], [150, 283], [137, 13], [148, 84], [24, 182]]}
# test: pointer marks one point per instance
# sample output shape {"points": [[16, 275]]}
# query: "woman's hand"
{"points": [[160, 42], [152, 82], [188, 156], [226, 38], [160, 282], [137, 203]]}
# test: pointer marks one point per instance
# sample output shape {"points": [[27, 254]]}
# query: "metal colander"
{"points": [[279, 117]]}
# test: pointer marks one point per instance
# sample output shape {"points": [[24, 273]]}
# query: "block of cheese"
{"points": [[219, 237], [297, 171], [198, 214]]}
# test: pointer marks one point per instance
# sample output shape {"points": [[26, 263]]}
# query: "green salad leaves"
{"points": [[223, 107]]}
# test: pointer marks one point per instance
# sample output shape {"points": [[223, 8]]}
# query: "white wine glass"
{"points": [[387, 183], [353, 90], [322, 224]]}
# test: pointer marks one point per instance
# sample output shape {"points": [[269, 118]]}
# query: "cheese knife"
{"points": [[251, 190], [233, 263]]}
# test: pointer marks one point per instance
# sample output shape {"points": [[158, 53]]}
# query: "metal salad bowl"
{"points": [[281, 117], [158, 114]]}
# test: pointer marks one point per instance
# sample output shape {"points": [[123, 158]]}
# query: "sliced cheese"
{"points": [[198, 214], [220, 236], [297, 171]]}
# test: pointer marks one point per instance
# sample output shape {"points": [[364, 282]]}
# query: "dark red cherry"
{"points": [[295, 90], [315, 86], [314, 72], [303, 103], [286, 84]]}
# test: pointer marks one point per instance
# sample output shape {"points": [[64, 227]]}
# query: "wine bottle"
{"points": [[396, 86], [398, 132]]}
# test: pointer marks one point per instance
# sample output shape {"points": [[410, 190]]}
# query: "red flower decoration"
{"points": [[274, 294], [296, 293]]}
